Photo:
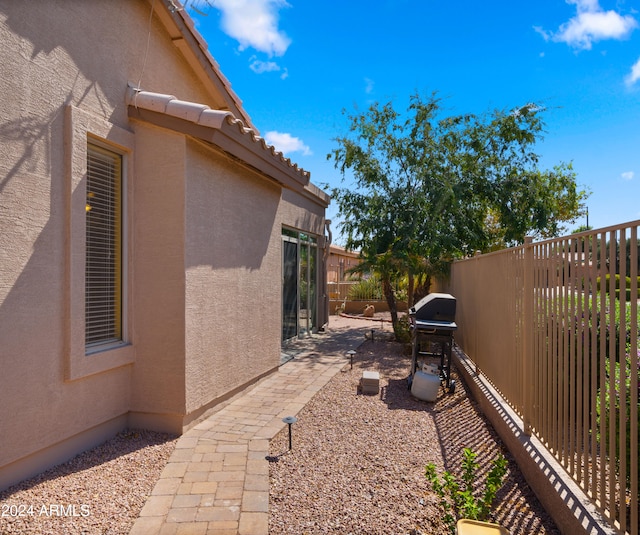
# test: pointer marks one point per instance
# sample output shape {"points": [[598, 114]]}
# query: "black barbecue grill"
{"points": [[432, 322]]}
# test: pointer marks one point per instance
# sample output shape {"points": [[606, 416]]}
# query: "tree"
{"points": [[427, 189]]}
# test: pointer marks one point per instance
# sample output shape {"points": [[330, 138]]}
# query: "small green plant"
{"points": [[460, 500], [366, 289], [402, 330]]}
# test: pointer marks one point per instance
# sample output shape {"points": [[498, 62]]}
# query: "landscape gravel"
{"points": [[357, 465], [99, 492]]}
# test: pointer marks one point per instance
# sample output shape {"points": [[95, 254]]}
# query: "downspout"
{"points": [[325, 261]]}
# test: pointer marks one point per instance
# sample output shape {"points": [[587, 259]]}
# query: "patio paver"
{"points": [[217, 479]]}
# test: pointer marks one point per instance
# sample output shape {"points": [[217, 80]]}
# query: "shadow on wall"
{"points": [[32, 319], [48, 32], [50, 29], [36, 402], [230, 214], [28, 132]]}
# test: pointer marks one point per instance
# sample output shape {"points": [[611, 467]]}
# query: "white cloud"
{"points": [[259, 67], [585, 5], [634, 75], [368, 85], [628, 175], [254, 23], [286, 143], [591, 24]]}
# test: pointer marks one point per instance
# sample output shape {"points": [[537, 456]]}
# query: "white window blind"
{"points": [[103, 276]]}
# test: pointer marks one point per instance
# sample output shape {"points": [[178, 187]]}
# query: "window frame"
{"points": [[81, 129], [119, 275]]}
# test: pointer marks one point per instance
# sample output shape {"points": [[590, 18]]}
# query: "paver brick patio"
{"points": [[217, 479]]}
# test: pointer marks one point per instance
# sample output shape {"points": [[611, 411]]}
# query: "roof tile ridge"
{"points": [[271, 148], [204, 47], [183, 109], [138, 98], [205, 116], [211, 118]]}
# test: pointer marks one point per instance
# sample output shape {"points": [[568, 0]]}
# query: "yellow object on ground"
{"points": [[475, 527]]}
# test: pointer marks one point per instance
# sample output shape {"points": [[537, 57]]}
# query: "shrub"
{"points": [[612, 409], [402, 330], [460, 500], [365, 290], [371, 290], [627, 286], [609, 413]]}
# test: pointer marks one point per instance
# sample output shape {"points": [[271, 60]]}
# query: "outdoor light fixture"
{"points": [[351, 353], [290, 420]]}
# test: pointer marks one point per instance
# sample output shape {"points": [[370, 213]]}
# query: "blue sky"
{"points": [[297, 64]]}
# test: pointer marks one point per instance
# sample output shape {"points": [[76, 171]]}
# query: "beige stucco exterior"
{"points": [[205, 204]]}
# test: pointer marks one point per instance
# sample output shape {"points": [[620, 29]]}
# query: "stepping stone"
{"points": [[370, 382]]}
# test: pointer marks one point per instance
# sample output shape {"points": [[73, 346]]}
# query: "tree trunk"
{"points": [[410, 290], [391, 301]]}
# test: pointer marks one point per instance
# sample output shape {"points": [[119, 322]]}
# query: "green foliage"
{"points": [[402, 330], [365, 290], [609, 413], [461, 500], [617, 324], [370, 289], [622, 325], [428, 183], [425, 189], [617, 282]]}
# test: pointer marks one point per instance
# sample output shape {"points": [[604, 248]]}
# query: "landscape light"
{"points": [[290, 420]]}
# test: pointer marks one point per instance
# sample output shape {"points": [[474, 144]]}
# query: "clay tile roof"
{"points": [[185, 23], [202, 115]]}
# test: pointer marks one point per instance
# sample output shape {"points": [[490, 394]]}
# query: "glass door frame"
{"points": [[306, 283]]}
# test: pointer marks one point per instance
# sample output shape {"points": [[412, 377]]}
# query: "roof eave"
{"points": [[194, 49], [233, 139]]}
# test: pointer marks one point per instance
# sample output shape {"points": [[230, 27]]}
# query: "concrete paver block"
{"points": [[254, 524], [182, 514], [157, 506], [255, 501], [147, 525]]}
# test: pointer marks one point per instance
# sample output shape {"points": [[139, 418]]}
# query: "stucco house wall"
{"points": [[205, 206], [233, 250], [158, 384]]}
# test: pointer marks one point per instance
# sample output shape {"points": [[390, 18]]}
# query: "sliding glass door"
{"points": [[299, 283], [289, 289]]}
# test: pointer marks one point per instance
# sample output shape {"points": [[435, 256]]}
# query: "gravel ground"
{"points": [[101, 491], [357, 463], [357, 466]]}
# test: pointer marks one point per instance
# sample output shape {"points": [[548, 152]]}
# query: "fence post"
{"points": [[528, 372]]}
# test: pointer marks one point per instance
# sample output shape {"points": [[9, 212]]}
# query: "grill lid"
{"points": [[435, 307]]}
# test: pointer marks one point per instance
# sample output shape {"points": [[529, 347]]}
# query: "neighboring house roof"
{"points": [[224, 130], [338, 250]]}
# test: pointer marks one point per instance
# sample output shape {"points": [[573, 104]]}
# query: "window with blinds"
{"points": [[103, 271]]}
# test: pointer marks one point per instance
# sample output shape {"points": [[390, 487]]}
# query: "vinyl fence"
{"points": [[553, 325]]}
